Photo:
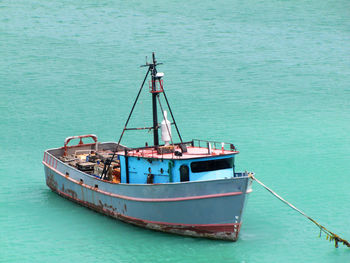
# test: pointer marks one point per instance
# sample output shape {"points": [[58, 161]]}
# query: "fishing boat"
{"points": [[187, 187]]}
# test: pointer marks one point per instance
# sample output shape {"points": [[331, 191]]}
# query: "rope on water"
{"points": [[330, 235]]}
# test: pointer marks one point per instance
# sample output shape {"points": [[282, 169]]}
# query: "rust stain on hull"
{"points": [[229, 232], [50, 181], [70, 192]]}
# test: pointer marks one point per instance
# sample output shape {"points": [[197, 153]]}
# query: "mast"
{"points": [[153, 70], [156, 79]]}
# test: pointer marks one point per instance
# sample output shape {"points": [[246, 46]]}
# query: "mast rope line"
{"points": [[109, 161], [330, 235]]}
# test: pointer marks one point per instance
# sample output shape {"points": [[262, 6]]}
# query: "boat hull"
{"points": [[210, 209]]}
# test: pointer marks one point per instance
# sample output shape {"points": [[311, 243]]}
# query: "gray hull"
{"points": [[211, 209]]}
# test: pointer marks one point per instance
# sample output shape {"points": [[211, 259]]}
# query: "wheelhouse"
{"points": [[186, 162]]}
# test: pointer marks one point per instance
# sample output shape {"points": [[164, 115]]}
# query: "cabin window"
{"points": [[212, 165], [184, 173]]}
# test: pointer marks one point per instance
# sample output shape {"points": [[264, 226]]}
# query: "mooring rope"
{"points": [[330, 235]]}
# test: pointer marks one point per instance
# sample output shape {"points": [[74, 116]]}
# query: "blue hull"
{"points": [[211, 209]]}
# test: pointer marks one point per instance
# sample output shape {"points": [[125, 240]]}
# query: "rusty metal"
{"points": [[229, 233]]}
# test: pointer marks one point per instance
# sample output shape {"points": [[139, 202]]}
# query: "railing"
{"points": [[151, 151], [81, 143], [214, 145], [154, 88]]}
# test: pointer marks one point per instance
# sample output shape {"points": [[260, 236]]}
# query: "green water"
{"points": [[271, 76]]}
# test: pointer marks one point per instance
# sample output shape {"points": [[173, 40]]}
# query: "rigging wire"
{"points": [[166, 124], [172, 116], [109, 161]]}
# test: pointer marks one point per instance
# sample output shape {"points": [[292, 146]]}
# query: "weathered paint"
{"points": [[166, 171], [167, 207]]}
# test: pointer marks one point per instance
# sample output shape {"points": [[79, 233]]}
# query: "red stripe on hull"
{"points": [[215, 231], [173, 199]]}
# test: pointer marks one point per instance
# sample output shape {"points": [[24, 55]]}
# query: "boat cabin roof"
{"points": [[191, 153]]}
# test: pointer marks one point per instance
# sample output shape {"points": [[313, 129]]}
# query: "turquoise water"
{"points": [[271, 76]]}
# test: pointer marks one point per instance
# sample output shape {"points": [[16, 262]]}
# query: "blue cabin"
{"points": [[149, 165]]}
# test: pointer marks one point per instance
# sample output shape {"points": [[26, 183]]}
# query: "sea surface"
{"points": [[273, 77]]}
